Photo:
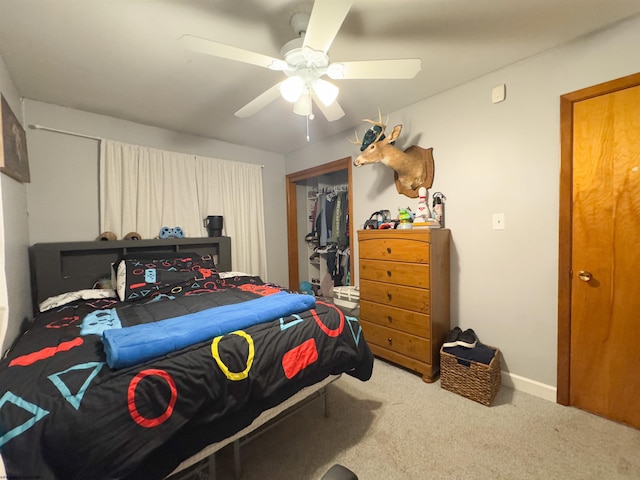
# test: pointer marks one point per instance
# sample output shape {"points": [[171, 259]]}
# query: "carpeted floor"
{"points": [[397, 427]]}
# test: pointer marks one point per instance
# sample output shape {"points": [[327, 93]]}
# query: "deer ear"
{"points": [[395, 133]]}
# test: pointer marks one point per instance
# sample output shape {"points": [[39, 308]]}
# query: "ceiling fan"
{"points": [[305, 62]]}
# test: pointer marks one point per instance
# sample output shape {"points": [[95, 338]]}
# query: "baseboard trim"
{"points": [[529, 386]]}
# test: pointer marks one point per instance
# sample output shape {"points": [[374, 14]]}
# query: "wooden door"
{"points": [[605, 256]]}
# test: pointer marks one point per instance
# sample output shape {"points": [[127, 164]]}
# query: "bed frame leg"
{"points": [[212, 467], [237, 467], [326, 403]]}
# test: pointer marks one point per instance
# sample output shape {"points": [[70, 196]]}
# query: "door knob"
{"points": [[584, 275]]}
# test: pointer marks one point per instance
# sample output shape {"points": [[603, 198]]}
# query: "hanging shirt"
{"points": [[339, 221], [323, 233]]}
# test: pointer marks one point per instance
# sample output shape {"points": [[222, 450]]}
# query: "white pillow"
{"points": [[64, 298]]}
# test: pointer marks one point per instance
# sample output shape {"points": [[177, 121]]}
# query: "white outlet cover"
{"points": [[498, 93]]}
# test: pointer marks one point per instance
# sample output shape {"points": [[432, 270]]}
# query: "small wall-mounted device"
{"points": [[498, 93]]}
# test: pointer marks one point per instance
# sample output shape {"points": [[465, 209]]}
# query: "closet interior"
{"points": [[320, 233], [327, 249]]}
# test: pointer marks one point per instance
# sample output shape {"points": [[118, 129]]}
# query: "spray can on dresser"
{"points": [[438, 207]]}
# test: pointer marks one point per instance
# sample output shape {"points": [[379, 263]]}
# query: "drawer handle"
{"points": [[388, 273], [389, 318], [389, 296], [390, 340], [388, 250]]}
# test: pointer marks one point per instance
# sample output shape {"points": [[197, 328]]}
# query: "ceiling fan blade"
{"points": [[332, 112], [326, 18], [209, 47], [400, 68], [261, 101]]}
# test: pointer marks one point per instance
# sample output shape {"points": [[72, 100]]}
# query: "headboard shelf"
{"points": [[68, 266]]}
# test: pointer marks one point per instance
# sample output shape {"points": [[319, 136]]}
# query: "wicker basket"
{"points": [[474, 380]]}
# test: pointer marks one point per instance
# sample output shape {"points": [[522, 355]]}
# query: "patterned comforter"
{"points": [[65, 413]]}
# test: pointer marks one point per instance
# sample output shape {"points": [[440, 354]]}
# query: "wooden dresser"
{"points": [[404, 295]]}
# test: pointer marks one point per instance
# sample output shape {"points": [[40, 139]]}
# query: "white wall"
{"points": [[15, 305], [63, 194], [497, 158]]}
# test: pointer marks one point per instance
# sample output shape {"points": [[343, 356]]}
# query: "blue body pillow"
{"points": [[136, 344]]}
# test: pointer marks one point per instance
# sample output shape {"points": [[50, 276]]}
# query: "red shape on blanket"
{"points": [[262, 290], [330, 333], [131, 398], [26, 360], [299, 358], [63, 322], [205, 272]]}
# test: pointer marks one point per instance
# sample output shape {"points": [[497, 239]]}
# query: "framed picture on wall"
{"points": [[13, 146]]}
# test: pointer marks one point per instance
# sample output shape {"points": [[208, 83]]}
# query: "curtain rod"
{"points": [[35, 126]]}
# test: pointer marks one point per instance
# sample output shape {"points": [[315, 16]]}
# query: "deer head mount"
{"points": [[413, 167]]}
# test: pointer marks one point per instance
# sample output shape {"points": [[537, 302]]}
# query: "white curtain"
{"points": [[144, 189]]}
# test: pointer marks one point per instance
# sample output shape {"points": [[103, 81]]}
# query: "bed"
{"points": [[181, 358]]}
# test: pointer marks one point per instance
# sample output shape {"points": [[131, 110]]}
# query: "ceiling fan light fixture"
{"points": [[304, 60], [291, 89], [325, 91], [303, 106]]}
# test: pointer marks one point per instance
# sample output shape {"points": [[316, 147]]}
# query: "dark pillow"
{"points": [[140, 277]]}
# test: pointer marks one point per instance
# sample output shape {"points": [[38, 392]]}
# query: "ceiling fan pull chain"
{"points": [[307, 117]]}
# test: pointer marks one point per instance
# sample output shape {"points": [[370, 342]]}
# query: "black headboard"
{"points": [[65, 267]]}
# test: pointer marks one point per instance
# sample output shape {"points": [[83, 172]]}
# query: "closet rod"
{"points": [[343, 187], [35, 126]]}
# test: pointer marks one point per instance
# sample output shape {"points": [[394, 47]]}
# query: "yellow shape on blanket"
{"points": [[234, 376]]}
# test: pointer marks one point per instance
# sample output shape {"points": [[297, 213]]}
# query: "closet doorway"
{"points": [[599, 293], [298, 221]]}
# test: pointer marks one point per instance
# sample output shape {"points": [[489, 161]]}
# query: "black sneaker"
{"points": [[467, 339], [452, 339]]}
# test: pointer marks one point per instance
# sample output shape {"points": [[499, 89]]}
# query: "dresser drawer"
{"points": [[400, 342], [411, 298], [396, 249], [410, 274], [397, 318]]}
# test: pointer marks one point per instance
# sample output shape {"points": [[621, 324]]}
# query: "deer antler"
{"points": [[356, 141], [379, 122]]}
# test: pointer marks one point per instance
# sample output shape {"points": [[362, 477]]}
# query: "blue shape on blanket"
{"points": [[75, 399], [95, 323], [133, 345], [37, 414]]}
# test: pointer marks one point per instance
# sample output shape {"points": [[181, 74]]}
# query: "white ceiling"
{"points": [[120, 57]]}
